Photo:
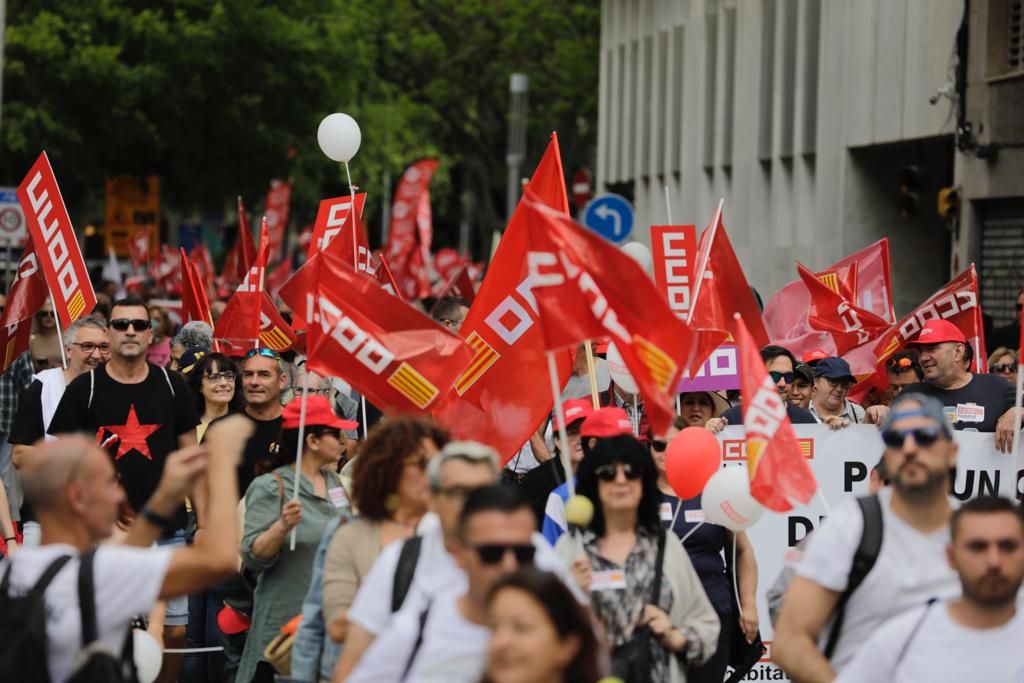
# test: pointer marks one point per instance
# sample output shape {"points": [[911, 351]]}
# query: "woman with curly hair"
{"points": [[391, 492]]}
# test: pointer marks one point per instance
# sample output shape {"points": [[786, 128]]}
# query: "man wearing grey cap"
{"points": [[829, 405], [920, 457]]}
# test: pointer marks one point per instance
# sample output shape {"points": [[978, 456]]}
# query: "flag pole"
{"points": [[352, 213], [302, 442], [593, 375], [563, 438], [1015, 456], [60, 335], [636, 417]]}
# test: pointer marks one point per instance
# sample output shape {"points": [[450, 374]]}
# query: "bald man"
{"points": [[73, 487]]}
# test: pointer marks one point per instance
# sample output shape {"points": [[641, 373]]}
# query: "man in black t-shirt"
{"points": [[140, 413], [263, 382], [975, 402]]}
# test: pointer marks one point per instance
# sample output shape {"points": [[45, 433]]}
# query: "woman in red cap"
{"points": [[271, 514]]}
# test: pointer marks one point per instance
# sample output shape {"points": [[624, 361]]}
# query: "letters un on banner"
{"points": [[841, 461]]}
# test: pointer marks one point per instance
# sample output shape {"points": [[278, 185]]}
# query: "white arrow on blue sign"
{"points": [[610, 216]]}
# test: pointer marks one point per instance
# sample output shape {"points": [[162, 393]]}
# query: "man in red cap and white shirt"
{"points": [[602, 423], [974, 402]]}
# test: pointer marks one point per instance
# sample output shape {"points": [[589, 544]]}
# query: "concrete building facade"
{"points": [[824, 124]]}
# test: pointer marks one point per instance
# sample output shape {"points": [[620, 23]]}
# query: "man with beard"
{"points": [[910, 567], [974, 638]]}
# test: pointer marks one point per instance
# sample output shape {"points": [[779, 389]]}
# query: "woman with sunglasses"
{"points": [[215, 383], [709, 547], [391, 491], [1003, 362], [643, 589], [270, 516]]}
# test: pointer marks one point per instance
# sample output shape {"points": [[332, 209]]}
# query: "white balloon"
{"points": [[339, 137], [641, 254], [148, 656], [618, 370], [726, 499]]}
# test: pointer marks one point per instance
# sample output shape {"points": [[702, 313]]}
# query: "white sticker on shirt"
{"points": [[612, 579], [970, 412], [695, 516], [665, 511], [338, 496]]}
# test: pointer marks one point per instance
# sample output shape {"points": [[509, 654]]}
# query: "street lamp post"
{"points": [[518, 88]]}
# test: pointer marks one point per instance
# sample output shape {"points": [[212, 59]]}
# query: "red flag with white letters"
{"points": [[194, 304], [830, 311], [332, 222], [27, 295], [240, 321], [139, 247], [505, 393], [779, 473], [275, 213], [56, 244]]}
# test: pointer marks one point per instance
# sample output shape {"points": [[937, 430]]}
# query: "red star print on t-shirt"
{"points": [[132, 435]]}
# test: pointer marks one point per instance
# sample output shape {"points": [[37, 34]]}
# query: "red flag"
{"points": [[849, 325], [275, 213], [504, 394], [382, 274], [446, 262], [27, 294], [407, 249], [279, 276], [240, 320], [194, 304], [397, 357], [140, 248], [202, 265], [331, 218], [351, 244], [720, 290], [275, 333], [785, 314], [242, 253], [59, 256], [586, 288], [460, 285], [779, 473]]}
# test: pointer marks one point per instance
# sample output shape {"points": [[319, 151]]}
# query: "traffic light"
{"points": [[949, 202]]}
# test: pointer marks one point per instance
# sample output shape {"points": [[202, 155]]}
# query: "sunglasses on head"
{"points": [[1005, 367], [899, 363], [610, 471], [923, 436], [264, 351], [493, 553], [122, 324], [787, 377]]}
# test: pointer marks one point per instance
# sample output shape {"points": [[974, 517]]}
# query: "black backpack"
{"points": [[23, 656], [96, 663]]}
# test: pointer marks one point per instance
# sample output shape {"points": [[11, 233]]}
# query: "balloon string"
{"points": [[735, 582], [690, 532]]}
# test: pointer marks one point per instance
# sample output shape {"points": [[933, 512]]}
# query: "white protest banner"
{"points": [[841, 461]]}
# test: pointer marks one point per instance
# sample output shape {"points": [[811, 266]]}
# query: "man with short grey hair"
{"points": [[423, 567], [85, 347], [193, 333]]}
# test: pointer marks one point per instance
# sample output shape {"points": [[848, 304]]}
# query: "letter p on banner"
{"points": [[56, 244]]}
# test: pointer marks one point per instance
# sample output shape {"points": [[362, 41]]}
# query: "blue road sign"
{"points": [[610, 216]]}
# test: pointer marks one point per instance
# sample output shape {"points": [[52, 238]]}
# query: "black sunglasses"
{"points": [[122, 324], [1005, 367], [776, 376], [610, 471], [264, 351], [493, 553], [658, 446], [923, 436]]}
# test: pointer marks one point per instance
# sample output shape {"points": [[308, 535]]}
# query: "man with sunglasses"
{"points": [[829, 405], [86, 348], [140, 413], [447, 638], [974, 402], [920, 457], [780, 363]]}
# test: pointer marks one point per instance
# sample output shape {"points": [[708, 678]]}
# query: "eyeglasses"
{"points": [[226, 375], [658, 446], [122, 324], [312, 392], [611, 471], [785, 376], [264, 351], [1004, 367], [329, 431], [457, 492], [923, 436], [843, 382], [493, 553], [89, 347]]}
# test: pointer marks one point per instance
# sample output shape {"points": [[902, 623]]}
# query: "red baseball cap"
{"points": [[232, 622], [938, 331], [577, 409], [606, 422], [814, 355], [318, 414]]}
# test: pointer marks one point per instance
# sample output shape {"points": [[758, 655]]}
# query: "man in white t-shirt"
{"points": [[920, 455], [73, 487], [459, 469], [446, 640], [974, 638]]}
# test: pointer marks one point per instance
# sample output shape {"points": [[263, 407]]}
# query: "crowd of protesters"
{"points": [[263, 538]]}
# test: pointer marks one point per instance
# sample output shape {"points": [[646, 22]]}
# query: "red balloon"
{"points": [[690, 460]]}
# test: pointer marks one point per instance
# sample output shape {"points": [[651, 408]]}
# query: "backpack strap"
{"points": [[87, 599], [44, 579], [168, 378], [659, 566], [863, 561], [419, 641], [92, 387], [913, 633], [405, 570]]}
